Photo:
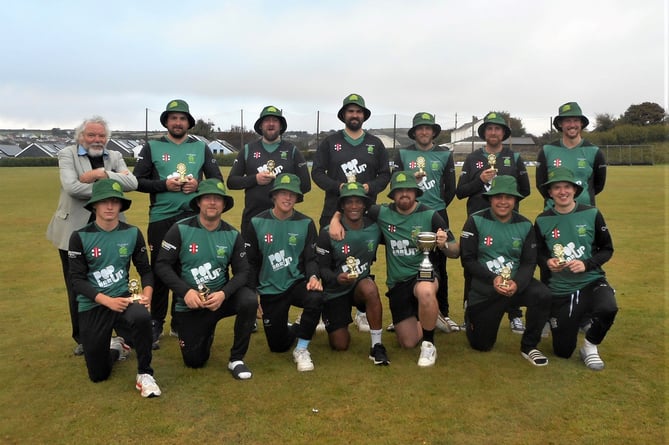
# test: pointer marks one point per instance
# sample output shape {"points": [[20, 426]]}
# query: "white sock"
{"points": [[376, 336]]}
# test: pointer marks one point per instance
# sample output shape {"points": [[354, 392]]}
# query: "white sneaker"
{"points": [[447, 325], [147, 385], [391, 327], [303, 359], [320, 327], [516, 325], [361, 322], [546, 331], [428, 355], [591, 358], [118, 343]]}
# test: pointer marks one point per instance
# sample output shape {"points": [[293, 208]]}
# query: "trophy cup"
{"points": [[492, 160], [135, 290], [420, 162], [505, 273], [350, 177], [181, 169], [270, 168], [426, 241], [558, 251], [351, 263], [203, 290]]}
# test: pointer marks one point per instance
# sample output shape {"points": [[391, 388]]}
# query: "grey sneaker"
{"points": [[302, 358], [517, 326], [592, 359], [147, 386], [361, 322], [447, 325], [118, 343], [428, 355], [79, 350]]}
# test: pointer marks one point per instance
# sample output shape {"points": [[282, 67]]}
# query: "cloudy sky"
{"points": [[66, 60]]}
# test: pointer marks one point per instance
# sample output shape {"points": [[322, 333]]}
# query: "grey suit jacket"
{"points": [[71, 214]]}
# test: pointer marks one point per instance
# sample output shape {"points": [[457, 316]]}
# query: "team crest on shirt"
{"points": [[582, 230], [507, 162], [581, 163], [191, 158], [370, 149], [370, 245], [221, 251], [123, 250], [284, 155], [292, 239]]}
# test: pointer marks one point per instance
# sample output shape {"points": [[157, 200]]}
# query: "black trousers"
{"points": [[134, 325], [71, 297], [482, 319], [197, 328]]}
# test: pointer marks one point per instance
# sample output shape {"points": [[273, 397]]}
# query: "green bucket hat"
{"points": [[403, 180], [424, 118], [562, 174], [494, 118], [105, 189], [352, 189], [177, 106], [570, 109], [270, 110], [212, 186], [290, 182], [505, 185], [354, 99]]}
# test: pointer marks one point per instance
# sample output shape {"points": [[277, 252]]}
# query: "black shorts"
{"points": [[403, 303], [337, 311]]}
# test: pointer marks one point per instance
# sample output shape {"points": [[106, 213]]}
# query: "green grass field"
{"points": [[467, 398]]}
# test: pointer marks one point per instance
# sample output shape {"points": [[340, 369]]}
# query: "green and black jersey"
{"points": [[158, 160], [100, 262], [584, 236], [438, 184], [281, 252], [191, 255], [400, 231], [586, 161], [487, 245], [359, 244]]}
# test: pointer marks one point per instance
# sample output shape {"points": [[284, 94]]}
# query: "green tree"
{"points": [[647, 113], [202, 128], [516, 124], [605, 122]]}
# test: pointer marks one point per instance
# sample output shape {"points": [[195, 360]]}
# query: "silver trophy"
{"points": [[426, 241]]}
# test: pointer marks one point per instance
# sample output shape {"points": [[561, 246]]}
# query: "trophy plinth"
{"points": [[492, 160], [271, 165], [181, 169], [426, 241], [135, 290], [351, 263], [203, 290], [558, 251], [505, 273]]}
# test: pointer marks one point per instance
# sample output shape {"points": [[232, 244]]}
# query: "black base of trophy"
{"points": [[425, 275]]}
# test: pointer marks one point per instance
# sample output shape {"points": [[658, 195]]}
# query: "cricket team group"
{"points": [[279, 259]]}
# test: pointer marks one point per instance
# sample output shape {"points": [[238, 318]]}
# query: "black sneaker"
{"points": [[157, 331], [378, 355]]}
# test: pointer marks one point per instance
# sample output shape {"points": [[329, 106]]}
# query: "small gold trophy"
{"points": [[135, 290], [420, 162], [181, 169], [505, 273], [426, 241], [270, 168], [558, 251], [350, 177], [351, 264], [203, 290], [492, 160]]}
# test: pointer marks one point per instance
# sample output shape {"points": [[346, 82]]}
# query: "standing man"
{"points": [[284, 270], [434, 170], [574, 242], [170, 169], [259, 162], [80, 166], [350, 155], [195, 260], [498, 250], [345, 269], [100, 255], [585, 160], [480, 167], [413, 297]]}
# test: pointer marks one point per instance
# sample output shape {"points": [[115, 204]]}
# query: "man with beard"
{"points": [[80, 166], [345, 268], [584, 159], [350, 155], [259, 162], [478, 171], [434, 170], [498, 250], [412, 296], [195, 261], [169, 169]]}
